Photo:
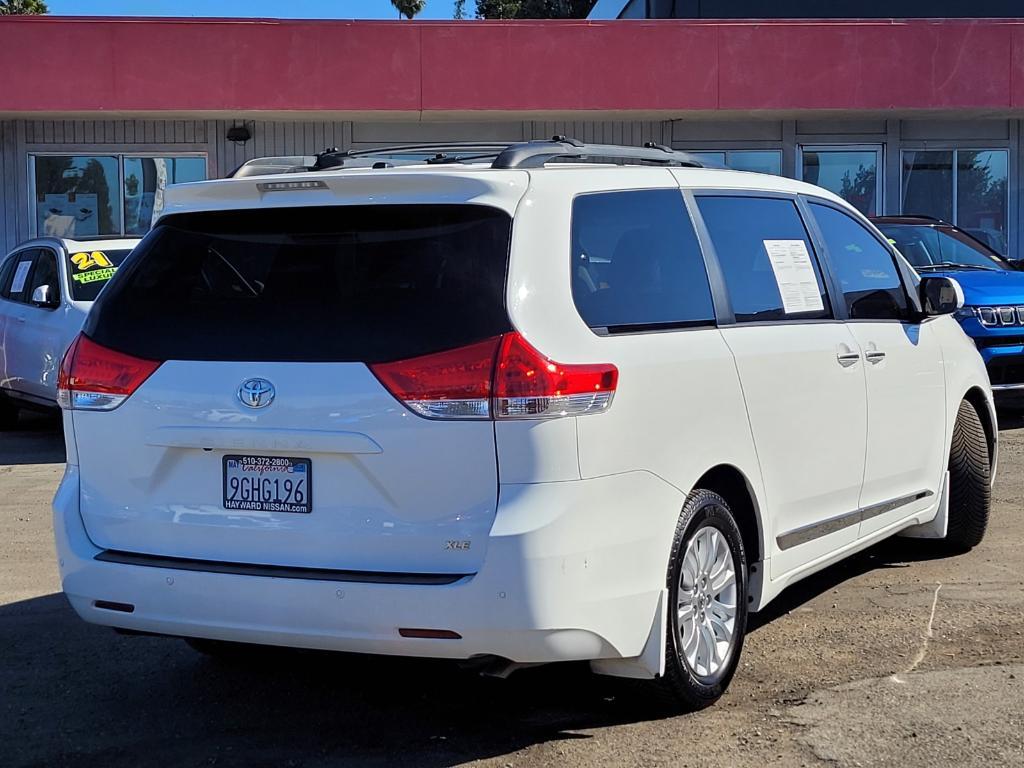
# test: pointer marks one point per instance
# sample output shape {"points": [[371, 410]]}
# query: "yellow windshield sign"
{"points": [[84, 261], [95, 276], [92, 267]]}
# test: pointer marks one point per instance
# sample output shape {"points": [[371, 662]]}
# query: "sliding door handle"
{"points": [[875, 355]]}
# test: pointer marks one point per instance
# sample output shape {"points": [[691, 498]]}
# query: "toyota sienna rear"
{"points": [[511, 411]]}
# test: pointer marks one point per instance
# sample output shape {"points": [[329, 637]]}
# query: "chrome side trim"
{"points": [[817, 530], [814, 531], [866, 513], [1005, 387]]}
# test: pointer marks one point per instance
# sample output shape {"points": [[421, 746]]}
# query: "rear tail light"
{"points": [[94, 378], [447, 385], [529, 385], [503, 377]]}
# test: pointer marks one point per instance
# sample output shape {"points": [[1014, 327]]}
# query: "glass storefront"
{"points": [[105, 195], [755, 160], [850, 172], [966, 187], [77, 196], [146, 178]]}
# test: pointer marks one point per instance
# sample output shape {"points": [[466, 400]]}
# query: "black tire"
{"points": [[8, 413], [682, 688], [970, 487]]}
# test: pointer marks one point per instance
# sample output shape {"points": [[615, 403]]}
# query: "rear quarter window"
{"points": [[636, 262], [370, 283]]}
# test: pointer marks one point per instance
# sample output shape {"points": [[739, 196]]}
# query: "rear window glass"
{"points": [[89, 271], [636, 262], [346, 283]]}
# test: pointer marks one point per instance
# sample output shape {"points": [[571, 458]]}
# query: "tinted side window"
{"points": [[872, 285], [16, 282], [6, 273], [45, 273], [636, 262], [767, 259]]}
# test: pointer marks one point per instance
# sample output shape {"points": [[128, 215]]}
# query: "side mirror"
{"points": [[42, 296], [941, 295]]}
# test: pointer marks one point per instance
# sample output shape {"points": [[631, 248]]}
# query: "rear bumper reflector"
{"points": [[107, 605], [277, 571], [431, 634]]}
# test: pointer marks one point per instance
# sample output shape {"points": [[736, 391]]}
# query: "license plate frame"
{"points": [[267, 496]]}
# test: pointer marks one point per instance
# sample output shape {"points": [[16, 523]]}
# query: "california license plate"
{"points": [[268, 484]]}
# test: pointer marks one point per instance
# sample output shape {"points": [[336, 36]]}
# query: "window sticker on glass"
{"points": [[794, 273], [20, 276], [92, 267]]}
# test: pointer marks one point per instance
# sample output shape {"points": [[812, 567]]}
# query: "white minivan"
{"points": [[534, 407], [47, 287]]}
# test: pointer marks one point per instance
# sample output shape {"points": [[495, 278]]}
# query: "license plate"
{"points": [[268, 484]]}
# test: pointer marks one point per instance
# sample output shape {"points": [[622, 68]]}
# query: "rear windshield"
{"points": [[368, 283], [90, 270]]}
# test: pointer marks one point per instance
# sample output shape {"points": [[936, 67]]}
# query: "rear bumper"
{"points": [[573, 571]]}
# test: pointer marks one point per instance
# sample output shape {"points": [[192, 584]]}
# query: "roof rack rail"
{"points": [[534, 154], [440, 152], [526, 154]]}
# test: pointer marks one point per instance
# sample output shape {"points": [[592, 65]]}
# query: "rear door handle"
{"points": [[846, 359], [19, 318], [875, 355]]}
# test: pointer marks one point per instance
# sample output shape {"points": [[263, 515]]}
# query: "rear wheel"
{"points": [[970, 488], [707, 585], [8, 413]]}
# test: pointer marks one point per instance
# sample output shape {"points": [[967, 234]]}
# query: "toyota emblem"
{"points": [[256, 393]]}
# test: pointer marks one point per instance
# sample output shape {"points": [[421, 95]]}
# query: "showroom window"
{"points": [[852, 172], [756, 160], [105, 195], [966, 187]]}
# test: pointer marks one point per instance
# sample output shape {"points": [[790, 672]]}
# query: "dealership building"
{"points": [[99, 115]]}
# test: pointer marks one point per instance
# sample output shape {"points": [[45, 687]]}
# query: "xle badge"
{"points": [[452, 544]]}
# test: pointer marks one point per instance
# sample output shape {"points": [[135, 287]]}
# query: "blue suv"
{"points": [[993, 313]]}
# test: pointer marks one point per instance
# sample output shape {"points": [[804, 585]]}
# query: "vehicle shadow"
{"points": [[87, 696], [895, 552], [1011, 418], [83, 695], [38, 439]]}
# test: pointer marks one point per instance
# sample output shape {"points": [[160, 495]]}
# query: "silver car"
{"points": [[47, 287]]}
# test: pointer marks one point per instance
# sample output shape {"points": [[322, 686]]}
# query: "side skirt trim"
{"points": [[814, 531]]}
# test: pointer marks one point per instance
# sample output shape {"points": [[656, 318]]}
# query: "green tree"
{"points": [[23, 8], [408, 8], [533, 9], [860, 190]]}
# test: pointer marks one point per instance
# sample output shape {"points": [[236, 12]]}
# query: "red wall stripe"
{"points": [[60, 64]]}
